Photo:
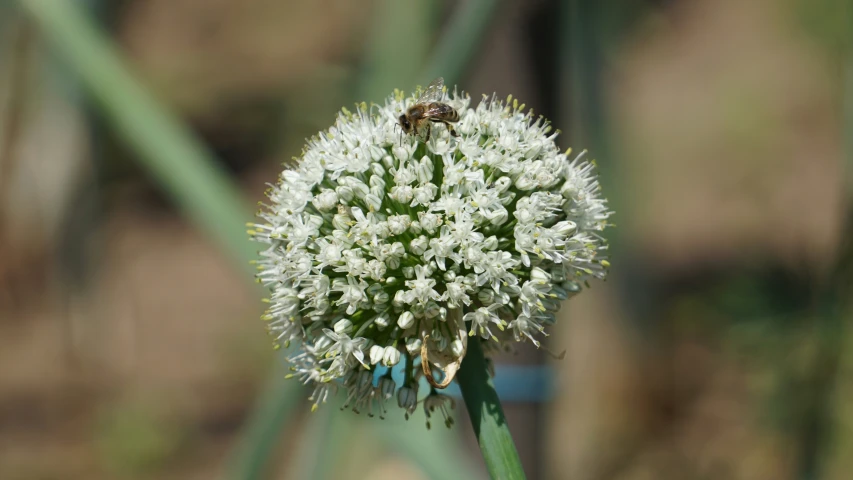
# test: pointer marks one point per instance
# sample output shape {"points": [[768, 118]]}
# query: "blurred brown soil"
{"points": [[728, 134]]}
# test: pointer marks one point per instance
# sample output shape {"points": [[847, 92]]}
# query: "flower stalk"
{"points": [[487, 416]]}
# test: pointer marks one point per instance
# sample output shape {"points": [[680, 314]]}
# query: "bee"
{"points": [[428, 110]]}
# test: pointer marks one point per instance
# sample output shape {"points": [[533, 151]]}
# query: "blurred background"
{"points": [[135, 137]]}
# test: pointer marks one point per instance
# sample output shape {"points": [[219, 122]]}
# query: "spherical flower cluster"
{"points": [[383, 248]]}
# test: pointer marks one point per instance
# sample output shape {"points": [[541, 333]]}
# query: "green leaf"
{"points": [[269, 418], [460, 40], [179, 162], [487, 416]]}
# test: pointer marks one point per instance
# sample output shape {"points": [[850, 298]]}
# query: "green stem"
{"points": [[487, 416], [180, 163], [270, 416]]}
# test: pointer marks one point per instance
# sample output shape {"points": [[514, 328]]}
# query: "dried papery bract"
{"points": [[381, 248]]}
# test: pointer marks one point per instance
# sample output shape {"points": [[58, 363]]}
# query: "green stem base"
{"points": [[487, 416]]}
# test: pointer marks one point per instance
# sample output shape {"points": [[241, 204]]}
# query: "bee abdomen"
{"points": [[444, 111]]}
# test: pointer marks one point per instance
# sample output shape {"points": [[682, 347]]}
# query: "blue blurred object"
{"points": [[514, 383]]}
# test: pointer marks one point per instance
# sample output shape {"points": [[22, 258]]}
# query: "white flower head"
{"points": [[383, 248]]}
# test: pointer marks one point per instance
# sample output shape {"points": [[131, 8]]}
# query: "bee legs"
{"points": [[429, 131], [452, 131], [447, 124]]}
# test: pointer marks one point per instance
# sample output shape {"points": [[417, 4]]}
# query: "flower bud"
{"points": [[373, 289], [432, 310], [502, 184], [424, 194], [425, 170], [430, 221], [571, 287], [569, 189], [376, 153], [524, 182], [419, 245], [406, 320], [440, 340], [413, 345], [558, 275], [402, 193], [322, 305], [325, 200], [376, 181], [490, 243], [398, 224], [399, 298], [393, 263], [359, 188], [341, 221], [391, 357], [565, 228], [397, 249], [559, 292], [407, 399], [382, 320], [377, 192], [345, 193], [457, 348], [377, 169], [323, 343], [539, 275], [381, 297], [550, 304], [373, 202], [343, 326], [499, 217], [486, 296], [387, 387], [376, 353], [401, 153]]}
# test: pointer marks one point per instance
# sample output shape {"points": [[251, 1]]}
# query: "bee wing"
{"points": [[436, 111], [433, 91]]}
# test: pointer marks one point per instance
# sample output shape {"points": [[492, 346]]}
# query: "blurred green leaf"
{"points": [[182, 165], [459, 41], [829, 22], [331, 435], [185, 169], [136, 438], [400, 36], [269, 418], [428, 449]]}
